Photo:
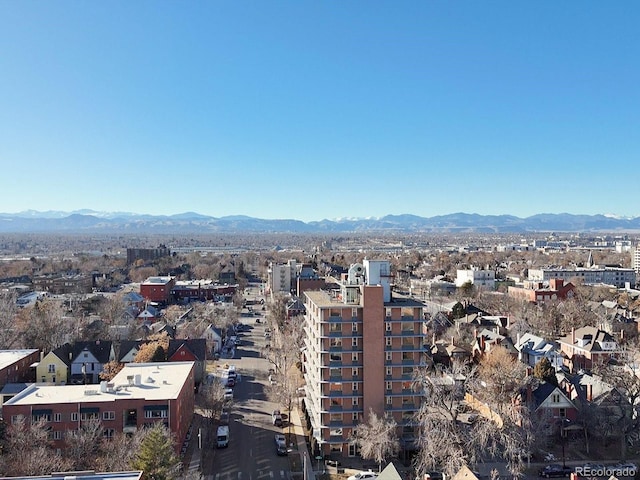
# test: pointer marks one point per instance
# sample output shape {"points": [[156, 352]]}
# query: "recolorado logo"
{"points": [[606, 471]]}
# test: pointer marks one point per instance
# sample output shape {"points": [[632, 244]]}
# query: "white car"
{"points": [[363, 475], [228, 393]]}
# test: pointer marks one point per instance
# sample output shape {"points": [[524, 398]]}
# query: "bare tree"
{"points": [[284, 356], [118, 452], [84, 444], [502, 377], [467, 442], [377, 438], [28, 450], [8, 310], [47, 328], [212, 399]]}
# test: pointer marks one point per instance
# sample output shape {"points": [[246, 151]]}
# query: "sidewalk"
{"points": [[305, 460]]}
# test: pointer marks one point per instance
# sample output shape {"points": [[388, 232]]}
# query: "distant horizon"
{"points": [[112, 214]]}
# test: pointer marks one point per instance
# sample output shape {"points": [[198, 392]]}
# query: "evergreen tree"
{"points": [[156, 456], [545, 371]]}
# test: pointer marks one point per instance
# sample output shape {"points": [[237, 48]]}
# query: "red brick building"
{"points": [[16, 366], [157, 289], [538, 292], [140, 394]]}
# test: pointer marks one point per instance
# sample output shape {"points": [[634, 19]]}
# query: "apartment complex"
{"points": [[362, 346], [593, 275], [140, 394], [281, 277]]}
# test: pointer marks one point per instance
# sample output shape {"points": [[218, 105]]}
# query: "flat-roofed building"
{"points": [[594, 275], [361, 348], [140, 394], [157, 289], [18, 366]]}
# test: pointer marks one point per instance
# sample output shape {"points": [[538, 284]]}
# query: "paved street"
{"points": [[251, 454]]}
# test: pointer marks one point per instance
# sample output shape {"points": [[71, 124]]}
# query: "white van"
{"points": [[223, 436]]}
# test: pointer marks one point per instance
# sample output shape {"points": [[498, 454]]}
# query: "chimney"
{"points": [[573, 336], [529, 394], [452, 342], [433, 339]]}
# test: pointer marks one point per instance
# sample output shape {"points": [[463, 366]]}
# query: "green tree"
{"points": [[545, 371], [156, 456]]}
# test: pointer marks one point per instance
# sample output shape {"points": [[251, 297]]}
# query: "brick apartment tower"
{"points": [[361, 349]]}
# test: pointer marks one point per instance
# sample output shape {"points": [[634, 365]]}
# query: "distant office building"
{"points": [[361, 349], [146, 254]]}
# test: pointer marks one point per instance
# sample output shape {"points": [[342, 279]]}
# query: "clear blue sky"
{"points": [[324, 109]]}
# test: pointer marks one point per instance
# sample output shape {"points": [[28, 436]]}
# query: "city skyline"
{"points": [[310, 111]]}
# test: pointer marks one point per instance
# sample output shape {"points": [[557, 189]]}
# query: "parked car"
{"points": [[276, 417], [369, 474], [554, 471], [228, 393], [281, 445]]}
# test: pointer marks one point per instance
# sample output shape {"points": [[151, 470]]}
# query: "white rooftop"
{"points": [[9, 357], [148, 381]]}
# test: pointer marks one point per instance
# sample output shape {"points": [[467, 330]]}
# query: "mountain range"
{"points": [[89, 221]]}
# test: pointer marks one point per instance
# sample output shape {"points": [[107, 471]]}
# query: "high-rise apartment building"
{"points": [[362, 347]]}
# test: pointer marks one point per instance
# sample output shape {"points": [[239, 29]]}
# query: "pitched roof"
{"points": [[587, 338], [126, 346], [64, 353], [390, 472], [465, 473], [101, 349], [197, 346]]}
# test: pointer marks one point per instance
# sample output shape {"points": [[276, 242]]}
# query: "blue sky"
{"points": [[312, 110]]}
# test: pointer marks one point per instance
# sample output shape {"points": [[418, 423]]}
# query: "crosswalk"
{"points": [[259, 475]]}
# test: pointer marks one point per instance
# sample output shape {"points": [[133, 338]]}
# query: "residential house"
{"points": [[55, 366], [465, 473], [150, 314], [487, 340], [390, 472], [294, 308], [213, 336], [587, 346], [551, 405], [609, 407], [88, 360], [531, 349], [190, 350], [128, 350], [446, 353]]}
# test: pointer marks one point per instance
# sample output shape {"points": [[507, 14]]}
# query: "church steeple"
{"points": [[590, 263]]}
